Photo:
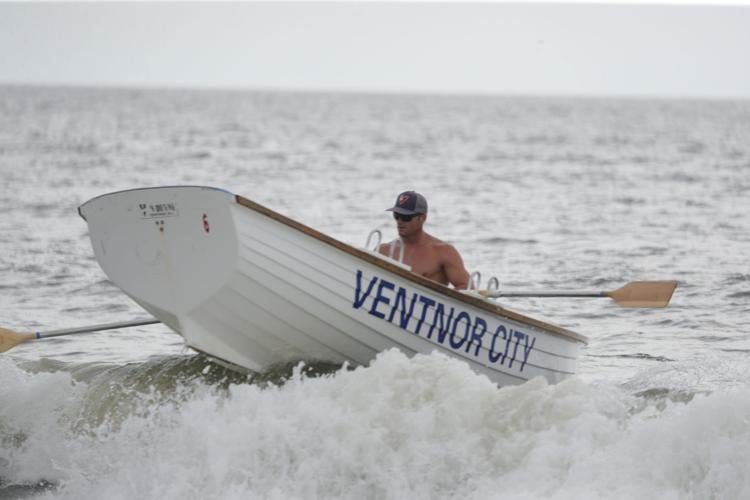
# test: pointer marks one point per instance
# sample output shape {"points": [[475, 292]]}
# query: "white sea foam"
{"points": [[421, 428], [34, 409]]}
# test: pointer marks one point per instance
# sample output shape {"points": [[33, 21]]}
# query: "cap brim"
{"points": [[402, 211]]}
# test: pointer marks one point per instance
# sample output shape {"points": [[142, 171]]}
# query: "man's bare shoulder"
{"points": [[431, 240], [445, 249], [448, 250]]}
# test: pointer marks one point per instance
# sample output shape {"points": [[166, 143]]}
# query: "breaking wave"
{"points": [[426, 427]]}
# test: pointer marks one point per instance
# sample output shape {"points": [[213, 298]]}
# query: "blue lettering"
{"points": [[442, 333], [400, 304], [495, 357], [477, 335], [439, 310], [445, 324], [400, 298], [518, 335], [461, 315], [358, 298], [473, 334], [527, 350], [427, 304], [508, 339], [380, 298]]}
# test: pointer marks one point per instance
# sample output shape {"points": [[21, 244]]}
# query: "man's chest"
{"points": [[423, 260]]}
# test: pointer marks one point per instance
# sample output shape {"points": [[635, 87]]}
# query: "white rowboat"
{"points": [[253, 288]]}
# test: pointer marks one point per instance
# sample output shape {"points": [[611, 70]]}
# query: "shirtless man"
{"points": [[427, 255]]}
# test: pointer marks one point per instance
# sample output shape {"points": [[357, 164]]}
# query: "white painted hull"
{"points": [[251, 287]]}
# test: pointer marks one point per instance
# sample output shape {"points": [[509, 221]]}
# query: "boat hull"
{"points": [[251, 287]]}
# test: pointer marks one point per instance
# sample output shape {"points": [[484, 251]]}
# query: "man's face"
{"points": [[408, 224]]}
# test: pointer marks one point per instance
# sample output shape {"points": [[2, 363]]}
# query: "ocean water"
{"points": [[544, 193]]}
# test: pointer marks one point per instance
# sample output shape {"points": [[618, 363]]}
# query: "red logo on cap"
{"points": [[403, 199]]}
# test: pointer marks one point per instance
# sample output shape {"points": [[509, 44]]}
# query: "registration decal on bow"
{"points": [[157, 210]]}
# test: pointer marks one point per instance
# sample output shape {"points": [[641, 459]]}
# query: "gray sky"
{"points": [[583, 49]]}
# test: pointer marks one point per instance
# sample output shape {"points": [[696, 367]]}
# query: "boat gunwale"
{"points": [[410, 276]]}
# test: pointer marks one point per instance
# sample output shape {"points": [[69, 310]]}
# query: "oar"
{"points": [[9, 338], [634, 294]]}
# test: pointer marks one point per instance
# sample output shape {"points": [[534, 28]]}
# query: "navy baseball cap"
{"points": [[409, 203]]}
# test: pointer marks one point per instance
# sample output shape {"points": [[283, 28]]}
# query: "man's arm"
{"points": [[454, 268]]}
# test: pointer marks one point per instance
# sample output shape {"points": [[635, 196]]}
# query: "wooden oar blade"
{"points": [[9, 339], [644, 294]]}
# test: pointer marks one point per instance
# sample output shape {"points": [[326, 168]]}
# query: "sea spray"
{"points": [[426, 427], [35, 411]]}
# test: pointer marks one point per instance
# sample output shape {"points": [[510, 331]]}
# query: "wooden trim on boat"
{"points": [[478, 302]]}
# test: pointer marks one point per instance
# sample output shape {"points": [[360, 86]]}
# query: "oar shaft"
{"points": [[634, 294], [494, 294], [95, 328]]}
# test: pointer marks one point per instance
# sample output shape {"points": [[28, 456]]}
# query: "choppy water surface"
{"points": [[542, 193]]}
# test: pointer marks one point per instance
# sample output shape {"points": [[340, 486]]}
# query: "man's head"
{"points": [[409, 203], [410, 212]]}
